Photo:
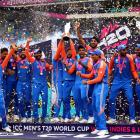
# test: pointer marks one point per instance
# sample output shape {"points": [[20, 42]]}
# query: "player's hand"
{"points": [[51, 67], [14, 56], [14, 46], [64, 35], [138, 81], [20, 46], [64, 61], [79, 61], [84, 82], [10, 72], [78, 73], [29, 39], [101, 111], [77, 25]]}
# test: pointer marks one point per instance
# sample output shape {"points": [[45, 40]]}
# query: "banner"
{"points": [[49, 128], [116, 31]]}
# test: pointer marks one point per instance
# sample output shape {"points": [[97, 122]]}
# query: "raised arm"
{"points": [[111, 66], [60, 50], [73, 50], [27, 51], [77, 28], [102, 55], [5, 62], [54, 73]]}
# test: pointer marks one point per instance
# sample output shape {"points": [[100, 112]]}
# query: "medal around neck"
{"points": [[41, 73]]}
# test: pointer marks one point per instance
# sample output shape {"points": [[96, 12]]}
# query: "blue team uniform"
{"points": [[11, 83], [100, 93], [68, 85], [81, 91], [123, 70], [24, 88]]}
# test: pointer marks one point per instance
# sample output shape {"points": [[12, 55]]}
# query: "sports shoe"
{"points": [[132, 121], [56, 120], [36, 120], [103, 132], [95, 132], [43, 120], [23, 120], [8, 118], [76, 119], [16, 118], [83, 121], [111, 121], [61, 120], [7, 129], [52, 120], [90, 120], [67, 120], [29, 120]]}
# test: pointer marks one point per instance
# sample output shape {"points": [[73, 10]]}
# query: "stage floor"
{"points": [[65, 136]]}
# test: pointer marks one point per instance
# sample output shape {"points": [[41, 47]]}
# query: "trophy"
{"points": [[66, 32]]}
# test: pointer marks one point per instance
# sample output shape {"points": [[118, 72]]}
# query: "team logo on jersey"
{"points": [[23, 67], [79, 67]]}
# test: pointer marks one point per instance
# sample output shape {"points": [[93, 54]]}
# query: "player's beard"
{"points": [[23, 56], [93, 45], [123, 54], [69, 55], [38, 57]]}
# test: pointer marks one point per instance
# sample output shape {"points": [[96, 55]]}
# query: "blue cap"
{"points": [[121, 47], [96, 52], [138, 46]]}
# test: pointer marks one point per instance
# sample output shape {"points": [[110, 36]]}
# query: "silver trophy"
{"points": [[66, 32]]}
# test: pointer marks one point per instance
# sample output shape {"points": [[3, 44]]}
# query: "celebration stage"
{"points": [[72, 131]]}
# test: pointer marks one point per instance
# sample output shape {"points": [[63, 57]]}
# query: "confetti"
{"points": [[47, 21]]}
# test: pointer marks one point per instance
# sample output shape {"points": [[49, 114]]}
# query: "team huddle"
{"points": [[88, 77]]}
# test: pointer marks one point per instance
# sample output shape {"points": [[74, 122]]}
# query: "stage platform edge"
{"points": [[59, 127]]}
